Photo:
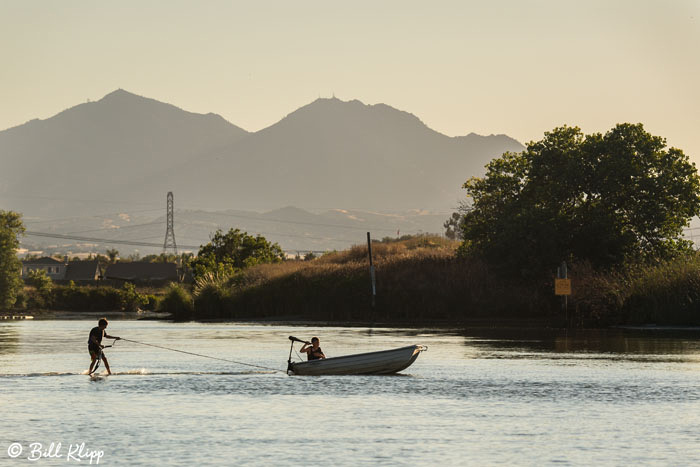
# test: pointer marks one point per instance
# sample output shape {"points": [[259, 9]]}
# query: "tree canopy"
{"points": [[608, 199], [229, 252], [11, 228]]}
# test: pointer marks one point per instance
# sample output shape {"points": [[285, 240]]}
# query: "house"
{"points": [[142, 272], [55, 269], [83, 271]]}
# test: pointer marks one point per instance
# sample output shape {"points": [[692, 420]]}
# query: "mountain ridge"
{"points": [[134, 149], [120, 93]]}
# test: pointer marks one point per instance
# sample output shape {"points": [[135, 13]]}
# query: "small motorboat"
{"points": [[384, 362]]}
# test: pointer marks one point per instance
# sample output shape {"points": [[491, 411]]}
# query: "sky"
{"points": [[511, 66]]}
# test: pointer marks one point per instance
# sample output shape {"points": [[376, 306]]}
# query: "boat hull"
{"points": [[384, 362]]}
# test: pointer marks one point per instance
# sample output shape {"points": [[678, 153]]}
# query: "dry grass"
{"points": [[422, 280], [354, 260], [664, 294], [417, 280]]}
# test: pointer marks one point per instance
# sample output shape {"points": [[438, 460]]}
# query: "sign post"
{"points": [[371, 269]]}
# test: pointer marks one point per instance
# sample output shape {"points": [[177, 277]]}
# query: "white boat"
{"points": [[384, 362]]}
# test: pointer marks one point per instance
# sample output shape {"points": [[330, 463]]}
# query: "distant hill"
{"points": [[332, 153], [94, 150], [125, 151]]}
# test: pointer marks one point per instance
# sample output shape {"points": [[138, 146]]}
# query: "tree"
{"points": [[112, 254], [608, 199], [38, 279], [228, 253], [43, 298], [310, 256], [453, 229], [102, 260], [11, 228]]}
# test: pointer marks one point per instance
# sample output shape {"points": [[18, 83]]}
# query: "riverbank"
{"points": [[419, 282], [78, 315]]}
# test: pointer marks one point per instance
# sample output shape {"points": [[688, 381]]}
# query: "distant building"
{"points": [[55, 269], [142, 272], [83, 271]]}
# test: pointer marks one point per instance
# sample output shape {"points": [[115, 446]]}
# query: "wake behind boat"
{"points": [[383, 362]]}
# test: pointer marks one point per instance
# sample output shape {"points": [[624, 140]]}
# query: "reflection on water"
{"points": [[477, 396], [605, 341], [9, 338], [610, 343]]}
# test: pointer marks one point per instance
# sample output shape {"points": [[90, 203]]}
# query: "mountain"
{"points": [[93, 150], [124, 152], [332, 153]]}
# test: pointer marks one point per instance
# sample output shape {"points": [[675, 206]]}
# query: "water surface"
{"points": [[476, 397]]}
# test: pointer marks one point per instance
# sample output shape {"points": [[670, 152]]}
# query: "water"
{"points": [[518, 397]]}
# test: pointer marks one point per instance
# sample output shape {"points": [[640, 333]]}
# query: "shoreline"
{"points": [[293, 320], [505, 324], [46, 315]]}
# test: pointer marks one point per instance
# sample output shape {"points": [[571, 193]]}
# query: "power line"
{"points": [[99, 216], [77, 200], [118, 228], [320, 224], [127, 242], [283, 235], [100, 240], [69, 236], [146, 238], [278, 234], [133, 242], [254, 218]]}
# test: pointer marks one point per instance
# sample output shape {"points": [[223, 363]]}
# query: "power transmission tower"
{"points": [[170, 231]]}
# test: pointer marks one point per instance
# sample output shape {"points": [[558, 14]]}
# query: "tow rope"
{"points": [[204, 356]]}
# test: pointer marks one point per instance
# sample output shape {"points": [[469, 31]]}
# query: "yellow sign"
{"points": [[562, 286]]}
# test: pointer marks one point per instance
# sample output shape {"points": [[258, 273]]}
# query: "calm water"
{"points": [[519, 397]]}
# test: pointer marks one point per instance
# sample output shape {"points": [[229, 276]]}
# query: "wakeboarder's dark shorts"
{"points": [[94, 350]]}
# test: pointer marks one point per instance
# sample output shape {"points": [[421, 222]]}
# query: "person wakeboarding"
{"points": [[313, 350], [95, 345]]}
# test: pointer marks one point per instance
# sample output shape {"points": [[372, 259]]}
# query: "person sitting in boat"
{"points": [[95, 344], [313, 350]]}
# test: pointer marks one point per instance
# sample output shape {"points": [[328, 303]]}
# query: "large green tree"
{"points": [[11, 228], [612, 198], [230, 252]]}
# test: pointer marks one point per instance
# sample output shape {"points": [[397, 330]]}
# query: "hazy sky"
{"points": [[512, 66]]}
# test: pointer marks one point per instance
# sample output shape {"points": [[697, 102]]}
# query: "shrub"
{"points": [[131, 300], [668, 293], [86, 298], [151, 302], [43, 285], [665, 293], [176, 301], [21, 300], [211, 292]]}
